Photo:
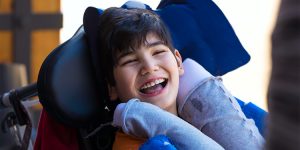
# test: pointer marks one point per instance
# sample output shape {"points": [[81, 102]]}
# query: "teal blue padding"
{"points": [[201, 31], [159, 142], [257, 114]]}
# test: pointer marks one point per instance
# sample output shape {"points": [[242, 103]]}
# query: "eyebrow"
{"points": [[154, 43]]}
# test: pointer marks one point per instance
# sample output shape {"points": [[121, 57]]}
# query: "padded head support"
{"points": [[200, 31], [67, 85]]}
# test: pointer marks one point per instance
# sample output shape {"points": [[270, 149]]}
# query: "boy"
{"points": [[140, 62]]}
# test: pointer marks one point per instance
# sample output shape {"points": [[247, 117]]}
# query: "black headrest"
{"points": [[67, 86]]}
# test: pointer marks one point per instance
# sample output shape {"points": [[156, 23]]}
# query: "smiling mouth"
{"points": [[154, 86]]}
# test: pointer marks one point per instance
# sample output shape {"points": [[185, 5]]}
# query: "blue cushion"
{"points": [[201, 31], [159, 142]]}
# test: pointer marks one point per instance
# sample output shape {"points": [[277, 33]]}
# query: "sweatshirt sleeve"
{"points": [[205, 103], [145, 120]]}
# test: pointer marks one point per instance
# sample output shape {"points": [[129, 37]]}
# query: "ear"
{"points": [[112, 91], [179, 62]]}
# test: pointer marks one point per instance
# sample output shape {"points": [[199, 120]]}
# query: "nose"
{"points": [[149, 66]]}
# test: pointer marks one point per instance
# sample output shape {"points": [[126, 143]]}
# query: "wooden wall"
{"points": [[42, 41], [5, 36]]}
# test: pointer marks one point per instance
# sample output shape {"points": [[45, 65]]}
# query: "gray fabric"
{"points": [[208, 107], [214, 111], [145, 120]]}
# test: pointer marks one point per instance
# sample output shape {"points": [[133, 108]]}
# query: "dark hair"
{"points": [[122, 30]]}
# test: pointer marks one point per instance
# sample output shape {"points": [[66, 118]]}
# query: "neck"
{"points": [[172, 109]]}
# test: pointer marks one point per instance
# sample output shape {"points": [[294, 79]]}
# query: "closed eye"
{"points": [[128, 62], [159, 52]]}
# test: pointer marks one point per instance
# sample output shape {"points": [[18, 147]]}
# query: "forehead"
{"points": [[150, 40]]}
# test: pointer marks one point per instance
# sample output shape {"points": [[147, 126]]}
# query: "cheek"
{"points": [[122, 77], [173, 66], [125, 80]]}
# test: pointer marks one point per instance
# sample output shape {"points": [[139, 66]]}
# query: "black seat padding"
{"points": [[67, 84]]}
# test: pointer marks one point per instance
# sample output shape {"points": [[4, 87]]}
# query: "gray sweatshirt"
{"points": [[145, 120], [216, 121]]}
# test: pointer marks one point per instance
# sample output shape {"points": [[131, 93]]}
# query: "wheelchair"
{"points": [[71, 90]]}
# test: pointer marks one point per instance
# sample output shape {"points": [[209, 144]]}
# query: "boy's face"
{"points": [[150, 73]]}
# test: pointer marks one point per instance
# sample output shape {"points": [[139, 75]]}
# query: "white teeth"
{"points": [[156, 82], [150, 84]]}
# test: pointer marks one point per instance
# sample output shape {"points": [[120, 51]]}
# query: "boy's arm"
{"points": [[205, 103], [146, 120]]}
